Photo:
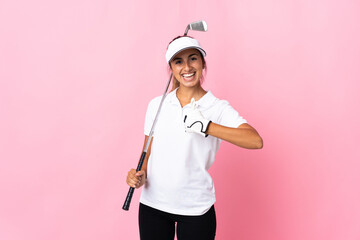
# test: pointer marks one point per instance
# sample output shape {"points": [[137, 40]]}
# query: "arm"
{"points": [[144, 166], [137, 179], [244, 136]]}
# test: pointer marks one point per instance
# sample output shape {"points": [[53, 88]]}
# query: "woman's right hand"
{"points": [[136, 179]]}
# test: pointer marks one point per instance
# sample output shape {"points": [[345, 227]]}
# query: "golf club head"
{"points": [[197, 26]]}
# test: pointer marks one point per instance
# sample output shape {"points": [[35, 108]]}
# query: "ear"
{"points": [[203, 62]]}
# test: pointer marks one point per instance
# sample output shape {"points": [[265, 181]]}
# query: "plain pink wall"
{"points": [[76, 78]]}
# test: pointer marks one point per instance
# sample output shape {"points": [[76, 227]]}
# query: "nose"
{"points": [[187, 66]]}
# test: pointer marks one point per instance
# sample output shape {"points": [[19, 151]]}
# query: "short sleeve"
{"points": [[150, 115], [229, 117]]}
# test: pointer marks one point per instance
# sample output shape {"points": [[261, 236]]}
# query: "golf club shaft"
{"points": [[143, 155]]}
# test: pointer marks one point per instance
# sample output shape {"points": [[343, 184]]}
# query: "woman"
{"points": [[178, 188]]}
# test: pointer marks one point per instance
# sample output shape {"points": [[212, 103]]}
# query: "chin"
{"points": [[194, 83], [191, 85]]}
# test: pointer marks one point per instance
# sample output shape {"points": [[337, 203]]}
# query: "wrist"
{"points": [[145, 172], [208, 129], [206, 132]]}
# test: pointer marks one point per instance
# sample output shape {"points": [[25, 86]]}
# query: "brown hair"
{"points": [[175, 82]]}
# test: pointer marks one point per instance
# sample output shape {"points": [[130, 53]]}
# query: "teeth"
{"points": [[188, 75]]}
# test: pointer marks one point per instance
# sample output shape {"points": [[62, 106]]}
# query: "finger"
{"points": [[132, 179], [135, 178], [140, 173], [133, 182], [137, 183], [132, 172], [193, 104]]}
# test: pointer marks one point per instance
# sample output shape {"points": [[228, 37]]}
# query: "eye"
{"points": [[178, 62], [193, 58]]}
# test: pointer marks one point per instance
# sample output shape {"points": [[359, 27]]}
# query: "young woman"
{"points": [[177, 186]]}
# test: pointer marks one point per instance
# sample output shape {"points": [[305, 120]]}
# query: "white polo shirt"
{"points": [[178, 181]]}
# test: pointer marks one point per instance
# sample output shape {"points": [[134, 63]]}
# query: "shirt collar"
{"points": [[204, 102]]}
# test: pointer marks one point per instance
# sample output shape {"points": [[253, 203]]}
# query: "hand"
{"points": [[136, 179], [195, 121]]}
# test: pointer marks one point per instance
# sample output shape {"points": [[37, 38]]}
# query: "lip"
{"points": [[188, 76], [190, 73]]}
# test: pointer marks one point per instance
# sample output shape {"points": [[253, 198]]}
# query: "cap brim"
{"points": [[202, 51]]}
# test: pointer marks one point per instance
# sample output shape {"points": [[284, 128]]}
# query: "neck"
{"points": [[185, 94]]}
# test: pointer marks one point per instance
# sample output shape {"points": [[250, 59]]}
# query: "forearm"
{"points": [[244, 136], [144, 166]]}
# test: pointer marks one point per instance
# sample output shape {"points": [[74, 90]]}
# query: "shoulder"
{"points": [[154, 102], [222, 111], [215, 102]]}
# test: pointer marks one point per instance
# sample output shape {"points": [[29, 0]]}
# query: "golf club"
{"points": [[197, 26]]}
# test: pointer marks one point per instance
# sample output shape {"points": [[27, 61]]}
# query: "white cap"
{"points": [[181, 44]]}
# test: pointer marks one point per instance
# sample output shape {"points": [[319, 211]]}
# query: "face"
{"points": [[187, 67]]}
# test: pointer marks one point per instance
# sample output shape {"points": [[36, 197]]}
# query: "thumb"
{"points": [[140, 173], [193, 103]]}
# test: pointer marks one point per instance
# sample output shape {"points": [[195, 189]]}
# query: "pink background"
{"points": [[75, 80]]}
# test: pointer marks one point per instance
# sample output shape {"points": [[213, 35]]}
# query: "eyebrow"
{"points": [[193, 54], [176, 59]]}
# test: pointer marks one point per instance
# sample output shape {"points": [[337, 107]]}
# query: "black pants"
{"points": [[158, 225]]}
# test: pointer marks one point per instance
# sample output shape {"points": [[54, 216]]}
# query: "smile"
{"points": [[188, 76]]}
